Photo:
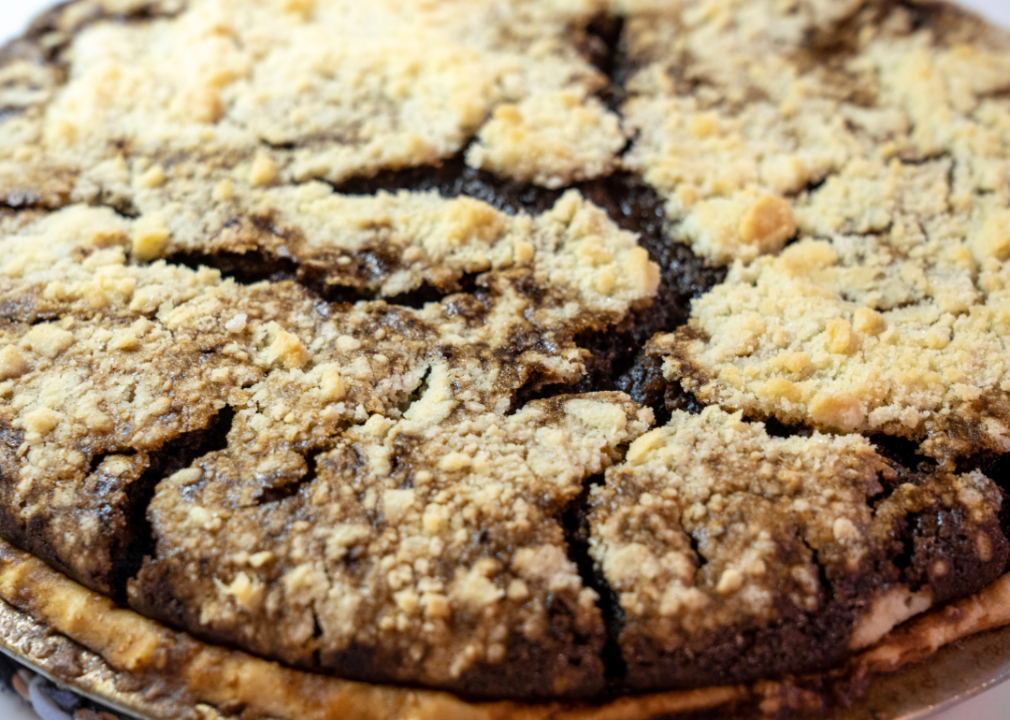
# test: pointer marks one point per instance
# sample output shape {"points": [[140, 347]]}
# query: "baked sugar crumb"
{"points": [[263, 94], [377, 550], [550, 140], [363, 487]]}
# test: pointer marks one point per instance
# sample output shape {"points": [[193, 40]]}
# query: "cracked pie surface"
{"points": [[546, 352]]}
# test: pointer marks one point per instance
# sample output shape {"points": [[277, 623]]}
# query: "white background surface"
{"points": [[993, 705]]}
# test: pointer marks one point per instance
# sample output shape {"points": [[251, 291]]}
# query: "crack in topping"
{"points": [[729, 123], [393, 244], [428, 540]]}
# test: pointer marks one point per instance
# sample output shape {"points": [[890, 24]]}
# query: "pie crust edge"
{"points": [[86, 641]]}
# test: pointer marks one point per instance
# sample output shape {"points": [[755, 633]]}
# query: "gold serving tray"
{"points": [[955, 674], [70, 666]]}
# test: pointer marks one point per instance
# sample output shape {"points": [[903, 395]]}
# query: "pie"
{"points": [[487, 359]]}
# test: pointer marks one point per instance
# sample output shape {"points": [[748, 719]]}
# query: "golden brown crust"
{"points": [[919, 639]]}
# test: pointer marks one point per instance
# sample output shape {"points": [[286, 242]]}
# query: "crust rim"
{"points": [[83, 640]]}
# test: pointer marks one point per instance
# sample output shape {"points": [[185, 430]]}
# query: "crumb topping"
{"points": [[391, 244], [549, 139], [393, 428], [711, 524], [429, 539], [889, 164], [97, 647], [732, 125], [279, 93]]}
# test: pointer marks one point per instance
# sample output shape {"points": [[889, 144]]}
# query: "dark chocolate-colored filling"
{"points": [[794, 642], [902, 452], [528, 670], [645, 383], [246, 268], [636, 207], [997, 469], [454, 178], [172, 457], [938, 537], [811, 642], [575, 523], [121, 505]]}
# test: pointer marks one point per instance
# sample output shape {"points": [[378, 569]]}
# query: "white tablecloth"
{"points": [[993, 705]]}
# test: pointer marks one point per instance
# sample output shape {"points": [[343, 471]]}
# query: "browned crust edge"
{"points": [[919, 639], [84, 640], [180, 674]]}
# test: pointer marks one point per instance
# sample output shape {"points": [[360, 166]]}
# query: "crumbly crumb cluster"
{"points": [[107, 361], [394, 243], [888, 164], [732, 124], [238, 114], [711, 524], [549, 139]]}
